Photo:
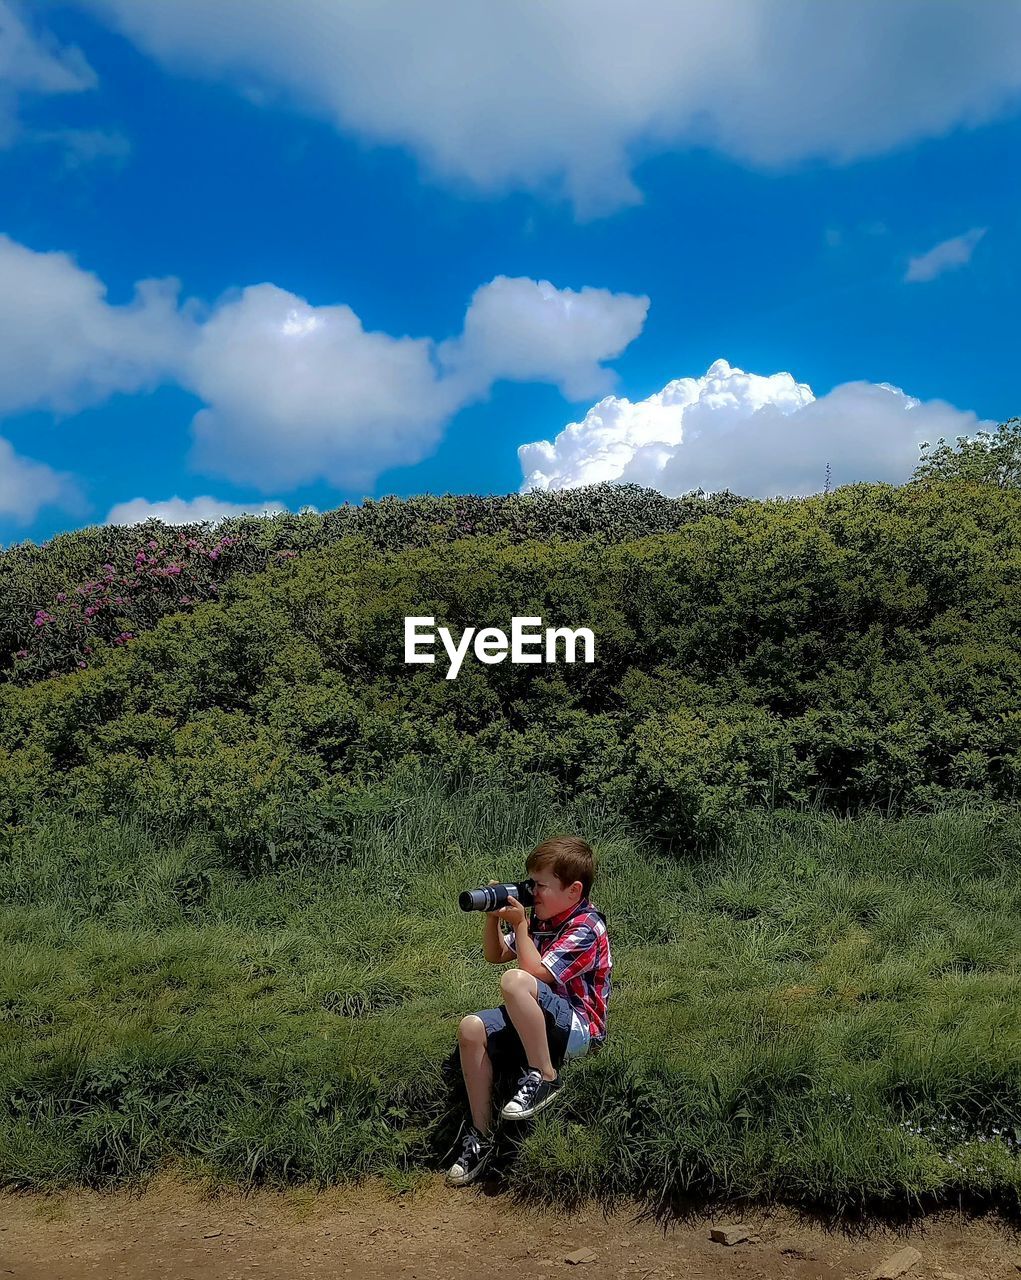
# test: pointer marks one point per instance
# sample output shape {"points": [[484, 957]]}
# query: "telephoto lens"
{"points": [[494, 896]]}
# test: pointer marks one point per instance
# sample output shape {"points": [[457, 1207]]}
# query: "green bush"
{"points": [[694, 773], [67, 601], [857, 650]]}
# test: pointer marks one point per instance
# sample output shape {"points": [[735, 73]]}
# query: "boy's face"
{"points": [[551, 895]]}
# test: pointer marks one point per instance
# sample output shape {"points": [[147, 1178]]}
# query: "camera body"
{"points": [[494, 896]]}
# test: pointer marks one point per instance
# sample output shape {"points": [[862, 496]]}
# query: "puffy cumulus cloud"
{"points": [[33, 63], [296, 392], [563, 96], [530, 331], [757, 436], [26, 486], [292, 392], [63, 346], [947, 255], [187, 510]]}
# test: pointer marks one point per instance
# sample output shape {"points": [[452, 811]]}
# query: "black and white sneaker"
{"points": [[533, 1094], [475, 1152]]}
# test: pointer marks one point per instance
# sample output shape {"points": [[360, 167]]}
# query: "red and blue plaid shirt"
{"points": [[575, 948]]}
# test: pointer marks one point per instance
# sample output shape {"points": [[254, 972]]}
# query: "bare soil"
{"points": [[178, 1231]]}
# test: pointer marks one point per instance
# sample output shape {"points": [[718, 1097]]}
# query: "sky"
{"points": [[257, 256]]}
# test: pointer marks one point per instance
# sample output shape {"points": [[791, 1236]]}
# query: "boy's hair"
{"points": [[569, 858]]}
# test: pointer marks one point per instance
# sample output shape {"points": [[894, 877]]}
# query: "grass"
{"points": [[825, 1012]]}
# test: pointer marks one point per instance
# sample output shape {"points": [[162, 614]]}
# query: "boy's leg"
{"points": [[521, 996], [477, 1069]]}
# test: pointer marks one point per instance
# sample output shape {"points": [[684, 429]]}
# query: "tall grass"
{"points": [[824, 1011]]}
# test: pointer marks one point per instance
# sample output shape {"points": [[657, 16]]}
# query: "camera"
{"points": [[494, 896]]}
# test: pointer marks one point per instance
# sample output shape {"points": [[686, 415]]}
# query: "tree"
{"points": [[989, 458]]}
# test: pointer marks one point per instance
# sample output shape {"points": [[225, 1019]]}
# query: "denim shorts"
{"points": [[566, 1033]]}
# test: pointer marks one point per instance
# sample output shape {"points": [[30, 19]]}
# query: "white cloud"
{"points": [[947, 255], [292, 392], [530, 331], [33, 63], [26, 486], [187, 510], [564, 96], [296, 392], [757, 436], [63, 346]]}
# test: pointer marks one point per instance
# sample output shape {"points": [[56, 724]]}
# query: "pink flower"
{"points": [[21, 653], [61, 597], [92, 610], [214, 554], [153, 546], [41, 618], [173, 568], [140, 559]]}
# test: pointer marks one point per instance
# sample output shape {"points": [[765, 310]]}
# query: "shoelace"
{"points": [[470, 1151], [471, 1141], [528, 1087]]}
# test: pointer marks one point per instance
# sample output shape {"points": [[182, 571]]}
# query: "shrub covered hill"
{"points": [[855, 650]]}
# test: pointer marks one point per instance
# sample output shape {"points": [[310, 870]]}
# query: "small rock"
{"points": [[894, 1266], [732, 1234], [579, 1256]]}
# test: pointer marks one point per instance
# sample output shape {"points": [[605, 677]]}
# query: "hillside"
{"points": [[854, 651]]}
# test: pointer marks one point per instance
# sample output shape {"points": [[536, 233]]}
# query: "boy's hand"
{"points": [[513, 912]]}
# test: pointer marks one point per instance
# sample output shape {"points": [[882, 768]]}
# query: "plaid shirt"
{"points": [[576, 950]]}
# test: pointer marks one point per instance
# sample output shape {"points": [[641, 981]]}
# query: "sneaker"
{"points": [[533, 1094], [475, 1153]]}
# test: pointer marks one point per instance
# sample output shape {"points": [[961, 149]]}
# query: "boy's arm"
{"points": [[518, 945], [494, 948], [528, 957]]}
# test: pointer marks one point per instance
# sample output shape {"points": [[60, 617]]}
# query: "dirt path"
{"points": [[175, 1231]]}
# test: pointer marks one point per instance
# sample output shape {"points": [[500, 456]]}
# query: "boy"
{"points": [[554, 1000]]}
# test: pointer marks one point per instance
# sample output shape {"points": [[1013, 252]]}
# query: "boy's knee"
{"points": [[516, 980], [471, 1029]]}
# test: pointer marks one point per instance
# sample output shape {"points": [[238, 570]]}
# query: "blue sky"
{"points": [[403, 252]]}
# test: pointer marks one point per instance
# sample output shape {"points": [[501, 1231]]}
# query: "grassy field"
{"points": [[825, 1012]]}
